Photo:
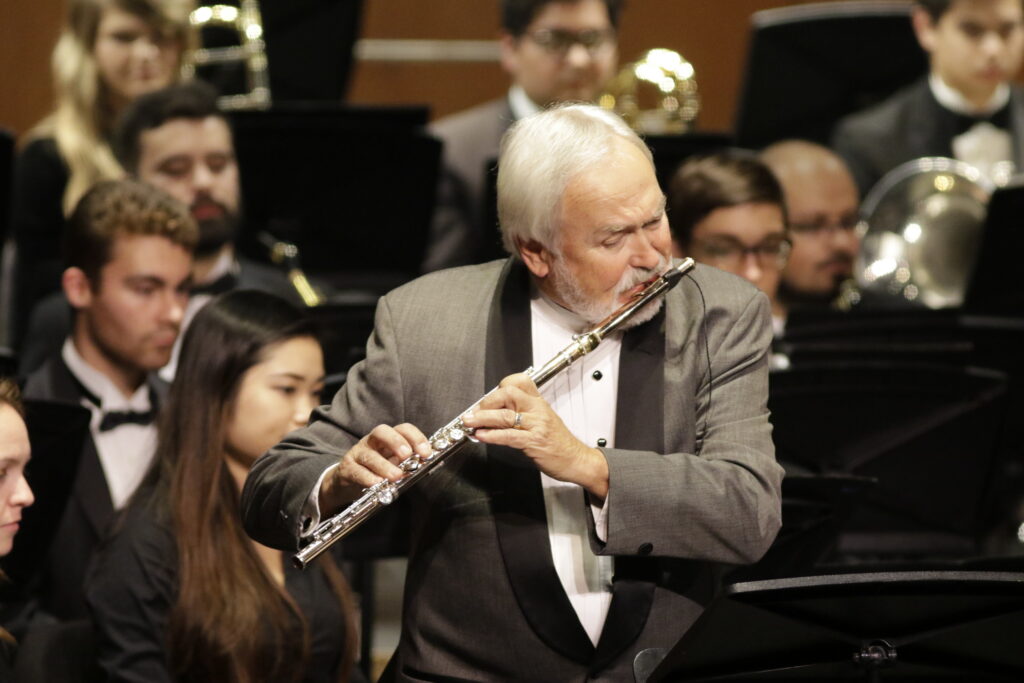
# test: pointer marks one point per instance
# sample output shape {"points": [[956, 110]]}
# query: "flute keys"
{"points": [[457, 435], [386, 495], [411, 464], [440, 443]]}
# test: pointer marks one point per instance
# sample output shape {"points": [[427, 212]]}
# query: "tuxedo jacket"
{"points": [[909, 125], [471, 141], [88, 512], [693, 479]]}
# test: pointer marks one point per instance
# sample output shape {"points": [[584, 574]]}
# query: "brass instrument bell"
{"points": [[921, 230], [247, 22], [655, 95]]}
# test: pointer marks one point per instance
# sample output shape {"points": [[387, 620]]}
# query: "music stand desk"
{"points": [[921, 626]]}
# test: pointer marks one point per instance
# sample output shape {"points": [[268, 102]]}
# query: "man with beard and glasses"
{"points": [[822, 204], [128, 250], [591, 517], [178, 141]]}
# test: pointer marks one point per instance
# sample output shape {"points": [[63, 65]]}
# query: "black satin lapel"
{"points": [[638, 426], [1017, 127], [517, 498], [91, 489], [933, 129]]}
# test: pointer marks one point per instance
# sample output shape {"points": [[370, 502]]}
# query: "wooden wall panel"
{"points": [[28, 31], [712, 35]]}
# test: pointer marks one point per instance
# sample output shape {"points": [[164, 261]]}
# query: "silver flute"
{"points": [[455, 434]]}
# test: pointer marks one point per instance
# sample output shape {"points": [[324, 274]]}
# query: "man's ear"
{"points": [[924, 28], [536, 256], [509, 46], [77, 288]]}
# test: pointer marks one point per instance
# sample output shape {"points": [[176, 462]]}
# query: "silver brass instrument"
{"points": [[921, 230], [251, 50], [455, 434]]}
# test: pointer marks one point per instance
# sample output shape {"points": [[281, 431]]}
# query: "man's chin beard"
{"points": [[571, 294], [214, 233], [792, 298]]}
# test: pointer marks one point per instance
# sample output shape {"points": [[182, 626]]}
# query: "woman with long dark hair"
{"points": [[181, 593]]}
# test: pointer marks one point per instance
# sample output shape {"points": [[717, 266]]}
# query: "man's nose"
{"points": [[578, 56], [751, 268], [174, 306], [645, 252], [202, 176], [991, 44]]}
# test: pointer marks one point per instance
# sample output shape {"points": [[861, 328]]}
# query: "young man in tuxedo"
{"points": [[128, 253], [966, 107]]}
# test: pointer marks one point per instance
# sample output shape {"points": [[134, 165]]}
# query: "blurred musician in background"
{"points": [[180, 593], [129, 261], [177, 140], [821, 204], [555, 51], [727, 210], [109, 52], [591, 520], [966, 108]]}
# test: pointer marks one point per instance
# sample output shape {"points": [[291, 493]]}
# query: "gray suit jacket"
{"points": [[693, 479], [471, 139], [909, 125]]}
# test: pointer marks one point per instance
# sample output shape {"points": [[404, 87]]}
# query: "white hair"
{"points": [[540, 155]]}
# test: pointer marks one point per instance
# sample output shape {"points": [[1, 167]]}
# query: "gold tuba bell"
{"points": [[247, 22], [656, 95]]}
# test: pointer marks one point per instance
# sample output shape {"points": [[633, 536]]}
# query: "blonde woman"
{"points": [[109, 53]]}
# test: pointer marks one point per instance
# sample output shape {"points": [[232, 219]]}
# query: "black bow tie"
{"points": [[999, 119], [116, 418]]}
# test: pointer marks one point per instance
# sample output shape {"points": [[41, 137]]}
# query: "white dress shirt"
{"points": [[126, 451], [584, 397], [984, 146]]}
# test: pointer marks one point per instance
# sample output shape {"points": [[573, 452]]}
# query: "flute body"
{"points": [[454, 435]]}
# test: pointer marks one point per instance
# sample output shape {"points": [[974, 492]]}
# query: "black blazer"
{"points": [[58, 579], [909, 125]]}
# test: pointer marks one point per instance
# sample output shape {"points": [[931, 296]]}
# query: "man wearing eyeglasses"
{"points": [[727, 211], [821, 202], [555, 51]]}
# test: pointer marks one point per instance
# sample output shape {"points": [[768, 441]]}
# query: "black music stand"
{"points": [[815, 510], [810, 65], [343, 326], [928, 433], [353, 187], [922, 626], [309, 50], [995, 285]]}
